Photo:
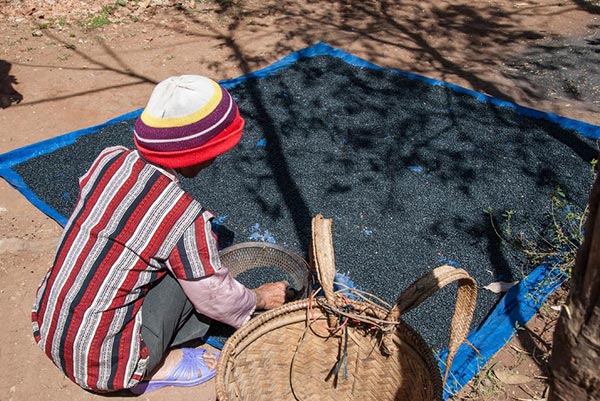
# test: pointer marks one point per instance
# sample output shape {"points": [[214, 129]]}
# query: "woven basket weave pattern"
{"points": [[277, 358], [291, 353]]}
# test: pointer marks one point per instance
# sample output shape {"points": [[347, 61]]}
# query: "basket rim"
{"points": [[264, 245]]}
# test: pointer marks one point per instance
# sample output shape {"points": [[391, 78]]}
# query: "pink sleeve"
{"points": [[221, 297]]}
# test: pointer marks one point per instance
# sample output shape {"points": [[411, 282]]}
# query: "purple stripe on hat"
{"points": [[189, 143], [167, 137]]}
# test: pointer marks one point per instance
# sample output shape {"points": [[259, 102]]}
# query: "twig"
{"points": [[470, 344], [520, 350], [526, 389]]}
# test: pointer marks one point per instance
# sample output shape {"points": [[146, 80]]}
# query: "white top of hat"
{"points": [[180, 96]]}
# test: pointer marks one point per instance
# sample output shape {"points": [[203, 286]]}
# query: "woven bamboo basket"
{"points": [[334, 348]]}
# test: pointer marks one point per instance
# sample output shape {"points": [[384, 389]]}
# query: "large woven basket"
{"points": [[333, 348]]}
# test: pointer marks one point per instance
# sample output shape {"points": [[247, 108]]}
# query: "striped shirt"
{"points": [[132, 224]]}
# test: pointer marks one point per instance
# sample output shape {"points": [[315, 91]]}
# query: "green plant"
{"points": [[556, 244], [484, 384], [508, 216], [94, 21], [518, 327], [101, 19], [561, 243]]}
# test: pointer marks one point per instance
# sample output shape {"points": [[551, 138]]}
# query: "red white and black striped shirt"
{"points": [[132, 224]]}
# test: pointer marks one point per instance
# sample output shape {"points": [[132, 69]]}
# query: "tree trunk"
{"points": [[575, 361]]}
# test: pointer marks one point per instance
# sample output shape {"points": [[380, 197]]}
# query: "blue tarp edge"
{"points": [[321, 49], [14, 157], [513, 310], [17, 182]]}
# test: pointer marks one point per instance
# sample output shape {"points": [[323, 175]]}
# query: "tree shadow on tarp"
{"points": [[406, 170]]}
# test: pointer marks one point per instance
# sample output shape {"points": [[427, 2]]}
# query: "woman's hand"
{"points": [[271, 295]]}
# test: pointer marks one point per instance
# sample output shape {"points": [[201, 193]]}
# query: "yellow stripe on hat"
{"points": [[196, 116]]}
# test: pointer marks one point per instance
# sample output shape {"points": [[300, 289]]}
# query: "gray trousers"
{"points": [[168, 320]]}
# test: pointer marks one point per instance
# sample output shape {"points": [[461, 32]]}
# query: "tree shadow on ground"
{"points": [[565, 68], [432, 36], [592, 6], [122, 69]]}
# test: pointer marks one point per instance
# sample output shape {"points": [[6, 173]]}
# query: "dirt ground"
{"points": [[67, 64]]}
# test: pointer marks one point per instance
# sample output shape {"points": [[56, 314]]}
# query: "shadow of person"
{"points": [[591, 6], [8, 94]]}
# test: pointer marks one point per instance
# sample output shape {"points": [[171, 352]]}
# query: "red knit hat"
{"points": [[189, 119]]}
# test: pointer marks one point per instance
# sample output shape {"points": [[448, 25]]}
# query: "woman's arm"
{"points": [[221, 297]]}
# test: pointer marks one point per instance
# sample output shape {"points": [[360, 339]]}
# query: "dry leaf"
{"points": [[508, 377], [500, 286]]}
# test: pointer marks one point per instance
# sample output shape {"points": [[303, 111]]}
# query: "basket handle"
{"points": [[323, 258], [426, 286]]}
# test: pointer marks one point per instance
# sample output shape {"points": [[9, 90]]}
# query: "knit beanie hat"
{"points": [[188, 119]]}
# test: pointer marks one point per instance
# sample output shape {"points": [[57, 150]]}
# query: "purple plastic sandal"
{"points": [[185, 373]]}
